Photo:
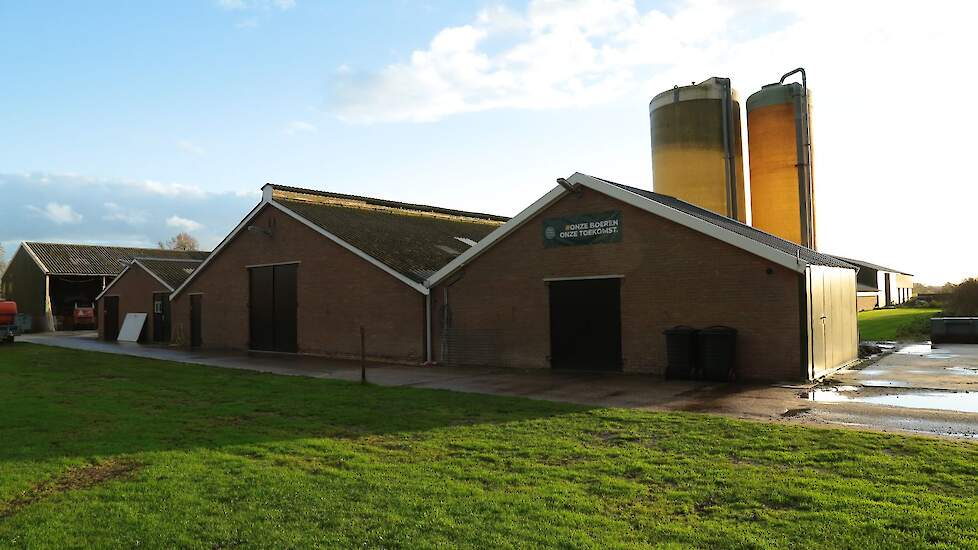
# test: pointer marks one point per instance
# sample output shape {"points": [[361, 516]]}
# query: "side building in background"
{"points": [[54, 283], [143, 287], [881, 286]]}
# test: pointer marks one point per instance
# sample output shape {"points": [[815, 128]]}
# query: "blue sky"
{"points": [[129, 121]]}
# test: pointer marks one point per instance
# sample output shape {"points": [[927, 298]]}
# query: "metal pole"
{"points": [[363, 357]]}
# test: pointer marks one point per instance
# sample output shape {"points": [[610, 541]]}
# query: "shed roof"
{"points": [[874, 267], [172, 273], [737, 234], [82, 259], [411, 239], [807, 255]]}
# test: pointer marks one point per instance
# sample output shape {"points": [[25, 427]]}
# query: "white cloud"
{"points": [[190, 147], [170, 189], [116, 213], [565, 54], [183, 224], [300, 127], [248, 23], [57, 213], [124, 213]]}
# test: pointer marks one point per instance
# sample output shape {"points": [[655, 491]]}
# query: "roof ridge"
{"points": [[714, 215], [385, 203], [143, 258]]}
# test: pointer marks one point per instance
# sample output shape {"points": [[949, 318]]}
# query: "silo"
{"points": [[779, 144], [697, 151]]}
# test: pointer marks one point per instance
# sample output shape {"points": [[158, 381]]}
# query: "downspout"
{"points": [[803, 139], [728, 159], [427, 325]]}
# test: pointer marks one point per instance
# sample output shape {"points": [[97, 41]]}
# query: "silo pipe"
{"points": [[804, 160]]}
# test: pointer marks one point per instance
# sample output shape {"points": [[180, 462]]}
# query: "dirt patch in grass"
{"points": [[74, 479]]}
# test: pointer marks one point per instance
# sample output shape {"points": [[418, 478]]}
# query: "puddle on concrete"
{"points": [[886, 384], [943, 401], [967, 371], [825, 396], [925, 350]]}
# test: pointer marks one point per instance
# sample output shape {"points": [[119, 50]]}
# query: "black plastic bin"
{"points": [[716, 350], [681, 352]]}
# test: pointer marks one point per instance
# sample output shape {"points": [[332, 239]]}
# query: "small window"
{"points": [[158, 307]]}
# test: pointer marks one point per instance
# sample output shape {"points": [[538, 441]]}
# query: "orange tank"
{"points": [[8, 313], [779, 144]]}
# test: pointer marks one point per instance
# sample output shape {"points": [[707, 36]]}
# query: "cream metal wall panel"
{"points": [[832, 330]]}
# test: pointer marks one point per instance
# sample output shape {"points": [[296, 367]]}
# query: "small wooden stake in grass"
{"points": [[363, 358]]}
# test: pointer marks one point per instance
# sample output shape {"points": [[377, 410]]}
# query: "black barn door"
{"points": [[585, 324], [110, 319], [161, 317], [285, 308], [195, 320], [272, 308], [262, 308]]}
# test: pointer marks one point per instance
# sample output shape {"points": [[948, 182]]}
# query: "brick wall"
{"points": [[135, 290], [337, 293], [866, 303], [672, 275]]}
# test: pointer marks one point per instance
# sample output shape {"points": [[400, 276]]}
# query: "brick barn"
{"points": [[591, 274], [143, 287], [305, 270], [50, 281]]}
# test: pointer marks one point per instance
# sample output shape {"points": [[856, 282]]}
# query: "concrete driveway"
{"points": [[882, 395], [916, 388]]}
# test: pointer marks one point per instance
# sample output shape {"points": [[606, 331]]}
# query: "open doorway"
{"points": [[585, 324]]}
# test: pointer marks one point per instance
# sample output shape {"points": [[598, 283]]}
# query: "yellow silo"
{"points": [[697, 151], [779, 144]]}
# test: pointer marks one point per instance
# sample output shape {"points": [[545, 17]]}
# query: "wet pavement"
{"points": [[920, 388], [917, 389]]}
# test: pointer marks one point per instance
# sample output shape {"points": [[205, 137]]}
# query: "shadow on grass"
{"points": [[59, 403]]}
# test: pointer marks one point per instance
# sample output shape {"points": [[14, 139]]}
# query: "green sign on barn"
{"points": [[596, 228]]}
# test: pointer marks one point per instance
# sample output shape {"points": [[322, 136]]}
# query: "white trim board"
{"points": [[583, 278], [154, 275], [682, 218], [126, 270], [216, 251], [273, 264], [35, 257], [110, 285], [363, 255]]}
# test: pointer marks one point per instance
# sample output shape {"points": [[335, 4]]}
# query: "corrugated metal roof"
{"points": [[413, 240], [171, 272], [81, 259], [806, 254], [874, 267]]}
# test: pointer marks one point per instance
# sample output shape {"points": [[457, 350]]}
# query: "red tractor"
{"points": [[8, 321]]}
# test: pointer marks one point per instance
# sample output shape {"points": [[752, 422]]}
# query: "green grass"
{"points": [[904, 324], [117, 452]]}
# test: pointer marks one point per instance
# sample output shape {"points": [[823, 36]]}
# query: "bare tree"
{"points": [[180, 241], [3, 263]]}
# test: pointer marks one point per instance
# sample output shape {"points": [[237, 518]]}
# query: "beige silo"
{"points": [[697, 151]]}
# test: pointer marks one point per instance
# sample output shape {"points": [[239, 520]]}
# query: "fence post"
{"points": [[363, 358]]}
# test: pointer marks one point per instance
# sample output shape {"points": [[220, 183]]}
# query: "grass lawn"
{"points": [[111, 451], [895, 324]]}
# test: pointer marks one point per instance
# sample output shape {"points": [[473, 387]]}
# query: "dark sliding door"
{"points": [[272, 308]]}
